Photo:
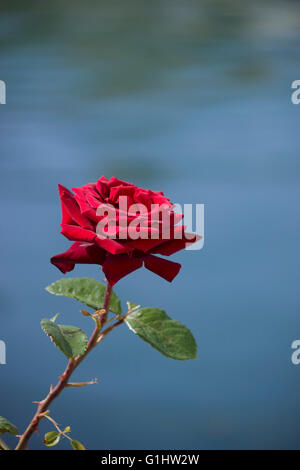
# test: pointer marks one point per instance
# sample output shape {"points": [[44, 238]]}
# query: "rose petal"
{"points": [[116, 182], [78, 253], [118, 191], [116, 267], [75, 233], [170, 247], [112, 246], [102, 187], [71, 210], [163, 267], [145, 245]]}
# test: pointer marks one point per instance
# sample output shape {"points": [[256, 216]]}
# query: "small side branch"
{"points": [[63, 383], [81, 384]]}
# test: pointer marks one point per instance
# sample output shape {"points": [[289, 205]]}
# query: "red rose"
{"points": [[121, 240]]}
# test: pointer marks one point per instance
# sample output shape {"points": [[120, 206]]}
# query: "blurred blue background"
{"points": [[193, 98]]}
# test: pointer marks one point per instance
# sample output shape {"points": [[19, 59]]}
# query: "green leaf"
{"points": [[6, 426], [169, 337], [72, 341], [88, 291], [51, 438], [77, 445]]}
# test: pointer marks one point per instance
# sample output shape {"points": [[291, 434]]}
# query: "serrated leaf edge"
{"points": [[57, 345]]}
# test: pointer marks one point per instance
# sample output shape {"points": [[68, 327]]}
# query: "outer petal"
{"points": [[170, 247], [78, 253], [90, 188], [163, 267], [145, 245], [112, 246], [71, 210], [116, 267], [159, 243], [76, 233]]}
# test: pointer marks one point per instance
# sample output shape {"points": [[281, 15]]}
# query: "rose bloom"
{"points": [[121, 227]]}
